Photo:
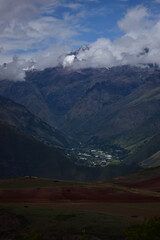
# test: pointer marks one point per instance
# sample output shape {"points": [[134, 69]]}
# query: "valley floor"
{"points": [[93, 156]]}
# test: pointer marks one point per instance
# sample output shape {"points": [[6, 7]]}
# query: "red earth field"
{"points": [[119, 192]]}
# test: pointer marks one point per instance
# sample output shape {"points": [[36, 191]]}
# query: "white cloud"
{"points": [[15, 70], [51, 57], [140, 43], [27, 25], [73, 6], [134, 21], [24, 25]]}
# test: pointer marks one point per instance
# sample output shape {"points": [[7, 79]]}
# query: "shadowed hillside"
{"points": [[22, 155], [17, 115]]}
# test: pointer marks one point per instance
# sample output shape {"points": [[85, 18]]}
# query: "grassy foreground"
{"points": [[67, 219], [70, 221]]}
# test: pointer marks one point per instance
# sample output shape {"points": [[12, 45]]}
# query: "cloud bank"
{"points": [[15, 70], [32, 29], [140, 44]]}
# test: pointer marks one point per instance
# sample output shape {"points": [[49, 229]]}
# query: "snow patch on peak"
{"points": [[68, 60], [74, 57]]}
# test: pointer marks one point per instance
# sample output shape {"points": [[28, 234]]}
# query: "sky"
{"points": [[39, 33]]}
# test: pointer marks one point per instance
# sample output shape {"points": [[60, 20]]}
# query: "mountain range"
{"points": [[93, 105], [96, 107]]}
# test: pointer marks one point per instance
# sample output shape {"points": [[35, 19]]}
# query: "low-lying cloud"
{"points": [[138, 45], [51, 57], [15, 70]]}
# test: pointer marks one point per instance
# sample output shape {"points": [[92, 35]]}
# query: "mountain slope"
{"points": [[17, 115], [22, 155], [153, 161], [145, 153], [139, 135]]}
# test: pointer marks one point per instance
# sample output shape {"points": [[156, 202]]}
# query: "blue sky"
{"points": [[46, 30], [98, 19], [72, 22]]}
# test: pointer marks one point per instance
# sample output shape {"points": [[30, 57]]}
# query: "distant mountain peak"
{"points": [[74, 56]]}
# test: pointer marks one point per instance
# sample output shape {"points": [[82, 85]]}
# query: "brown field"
{"points": [[77, 194]]}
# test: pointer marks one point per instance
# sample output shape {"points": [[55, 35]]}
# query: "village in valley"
{"points": [[95, 157]]}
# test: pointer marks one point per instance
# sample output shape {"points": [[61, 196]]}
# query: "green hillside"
{"points": [[153, 161], [145, 153], [140, 135]]}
